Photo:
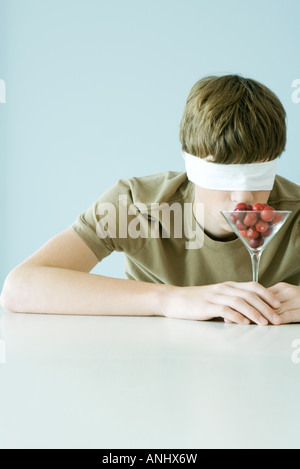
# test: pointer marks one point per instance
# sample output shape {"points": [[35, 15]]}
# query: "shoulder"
{"points": [[161, 187], [284, 194]]}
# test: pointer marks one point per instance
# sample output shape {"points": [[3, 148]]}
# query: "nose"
{"points": [[242, 197]]}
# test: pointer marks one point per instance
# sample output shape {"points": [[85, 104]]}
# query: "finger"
{"points": [[229, 314], [275, 289], [289, 317], [246, 309], [286, 293], [290, 305], [227, 321], [252, 306], [278, 287], [266, 295]]}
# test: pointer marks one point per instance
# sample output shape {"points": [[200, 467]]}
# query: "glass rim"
{"points": [[254, 211]]}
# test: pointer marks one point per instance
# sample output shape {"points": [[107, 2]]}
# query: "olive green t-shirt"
{"points": [[140, 217]]}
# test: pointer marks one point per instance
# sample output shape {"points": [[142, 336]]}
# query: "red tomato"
{"points": [[268, 232], [241, 207], [252, 233], [256, 243], [240, 225], [244, 233], [237, 215], [261, 226], [267, 214], [258, 207], [277, 218], [250, 219]]}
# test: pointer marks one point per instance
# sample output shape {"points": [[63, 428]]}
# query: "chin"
{"points": [[227, 229]]}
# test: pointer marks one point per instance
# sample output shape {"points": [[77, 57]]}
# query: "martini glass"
{"points": [[256, 231]]}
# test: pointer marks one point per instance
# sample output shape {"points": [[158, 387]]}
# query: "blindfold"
{"points": [[230, 177]]}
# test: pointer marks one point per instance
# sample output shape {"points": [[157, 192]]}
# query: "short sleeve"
{"points": [[297, 241], [104, 225]]}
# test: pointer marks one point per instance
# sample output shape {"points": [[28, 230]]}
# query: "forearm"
{"points": [[37, 289]]}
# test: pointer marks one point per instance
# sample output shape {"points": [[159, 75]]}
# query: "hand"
{"points": [[289, 296], [239, 303]]}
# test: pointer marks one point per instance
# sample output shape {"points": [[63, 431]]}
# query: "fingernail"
{"points": [[277, 304], [276, 318], [263, 322]]}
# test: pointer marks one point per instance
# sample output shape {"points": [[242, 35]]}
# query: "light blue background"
{"points": [[96, 90]]}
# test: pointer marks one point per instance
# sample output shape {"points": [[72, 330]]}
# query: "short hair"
{"points": [[234, 119]]}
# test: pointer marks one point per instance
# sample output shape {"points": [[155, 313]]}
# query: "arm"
{"points": [[42, 289], [56, 280]]}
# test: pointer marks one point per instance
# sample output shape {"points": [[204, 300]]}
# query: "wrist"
{"points": [[165, 298]]}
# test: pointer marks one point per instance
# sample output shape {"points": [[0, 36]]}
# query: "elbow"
{"points": [[8, 295], [5, 303]]}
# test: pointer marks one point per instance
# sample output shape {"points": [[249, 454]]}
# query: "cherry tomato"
{"points": [[277, 218], [240, 226], [256, 243], [237, 215], [241, 207], [244, 233], [258, 207], [268, 232], [267, 214], [250, 219], [252, 233], [261, 226]]}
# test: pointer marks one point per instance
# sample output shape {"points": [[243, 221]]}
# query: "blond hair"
{"points": [[234, 119]]}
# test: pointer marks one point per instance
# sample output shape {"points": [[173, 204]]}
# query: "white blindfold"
{"points": [[230, 177]]}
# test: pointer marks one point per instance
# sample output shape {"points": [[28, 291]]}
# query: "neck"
{"points": [[210, 227]]}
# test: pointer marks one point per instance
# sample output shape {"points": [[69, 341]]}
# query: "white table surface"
{"points": [[126, 382]]}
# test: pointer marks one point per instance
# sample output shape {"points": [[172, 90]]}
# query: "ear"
{"points": [[209, 158]]}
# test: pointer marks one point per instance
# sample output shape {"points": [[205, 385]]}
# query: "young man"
{"points": [[179, 263]]}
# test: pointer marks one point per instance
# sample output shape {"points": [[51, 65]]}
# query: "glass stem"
{"points": [[255, 258]]}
